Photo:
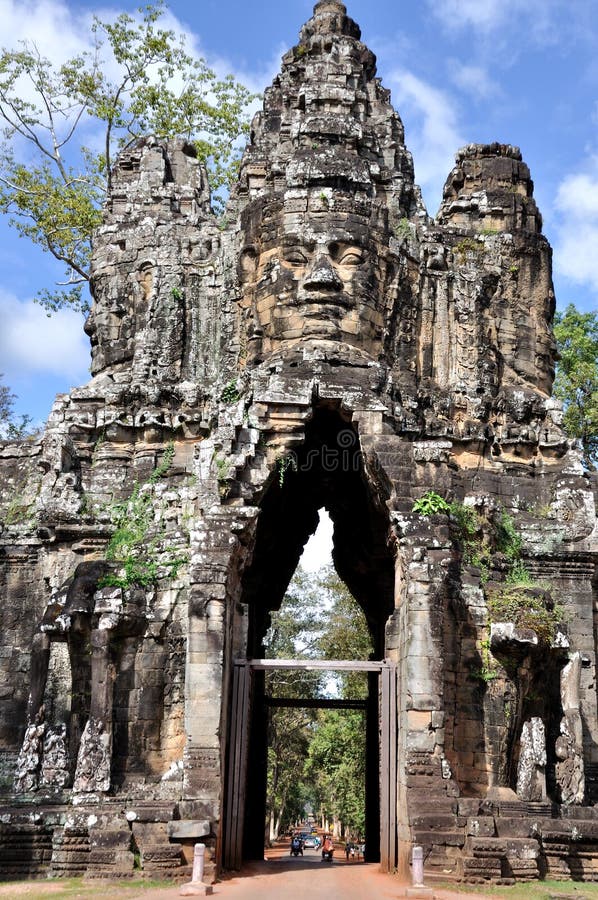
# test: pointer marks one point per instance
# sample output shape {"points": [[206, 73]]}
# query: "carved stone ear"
{"points": [[248, 264]]}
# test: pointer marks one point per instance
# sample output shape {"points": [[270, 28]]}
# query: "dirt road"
{"points": [[282, 877], [279, 877]]}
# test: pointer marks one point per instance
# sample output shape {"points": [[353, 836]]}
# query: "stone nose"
{"points": [[321, 276]]}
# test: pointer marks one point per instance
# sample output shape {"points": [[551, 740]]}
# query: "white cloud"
{"points": [[505, 28], [536, 17], [474, 80], [33, 343], [51, 25], [455, 14], [431, 129], [577, 231]]}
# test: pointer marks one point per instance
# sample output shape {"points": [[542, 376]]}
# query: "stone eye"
{"points": [[295, 258], [351, 257]]}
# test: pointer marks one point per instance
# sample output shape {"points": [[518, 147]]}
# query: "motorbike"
{"points": [[296, 847], [327, 855]]}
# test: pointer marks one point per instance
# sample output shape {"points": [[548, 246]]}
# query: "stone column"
{"points": [[531, 771], [569, 745], [95, 752]]}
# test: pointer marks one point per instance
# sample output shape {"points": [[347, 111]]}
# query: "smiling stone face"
{"points": [[323, 279]]}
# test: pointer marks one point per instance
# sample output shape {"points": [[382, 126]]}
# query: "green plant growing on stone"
{"points": [[230, 393], [132, 547], [467, 520], [519, 574], [527, 605], [222, 469], [508, 540], [467, 246], [403, 229], [177, 293], [489, 669], [18, 511], [430, 504], [283, 465]]}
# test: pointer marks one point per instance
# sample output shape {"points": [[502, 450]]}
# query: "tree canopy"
{"points": [[576, 382], [63, 126], [11, 426]]}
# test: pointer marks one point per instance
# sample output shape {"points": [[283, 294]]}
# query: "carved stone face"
{"points": [[111, 328], [324, 278], [116, 317]]}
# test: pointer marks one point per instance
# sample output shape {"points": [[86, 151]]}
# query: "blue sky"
{"points": [[518, 71]]}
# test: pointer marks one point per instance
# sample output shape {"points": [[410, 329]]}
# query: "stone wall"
{"points": [[327, 344]]}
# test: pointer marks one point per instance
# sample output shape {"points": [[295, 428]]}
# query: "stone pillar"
{"points": [[531, 771], [203, 710], [569, 745], [27, 772], [40, 661], [95, 752]]}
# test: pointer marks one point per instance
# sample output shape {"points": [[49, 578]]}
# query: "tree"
{"points": [[11, 426], [336, 767], [576, 382], [52, 186], [291, 635], [345, 633], [316, 756]]}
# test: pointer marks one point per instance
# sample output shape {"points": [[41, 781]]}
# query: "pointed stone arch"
{"points": [[329, 469]]}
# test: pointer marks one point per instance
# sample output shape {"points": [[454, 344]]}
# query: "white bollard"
{"points": [[196, 887], [199, 853], [417, 866]]}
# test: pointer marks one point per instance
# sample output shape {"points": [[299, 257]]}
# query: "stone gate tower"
{"points": [[326, 344]]}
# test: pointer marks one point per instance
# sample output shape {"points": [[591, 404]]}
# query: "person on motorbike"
{"points": [[296, 846], [327, 847]]}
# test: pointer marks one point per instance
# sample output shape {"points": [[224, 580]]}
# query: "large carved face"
{"points": [[117, 316], [319, 275]]}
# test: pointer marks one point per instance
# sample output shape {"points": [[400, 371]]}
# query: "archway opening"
{"points": [[328, 471]]}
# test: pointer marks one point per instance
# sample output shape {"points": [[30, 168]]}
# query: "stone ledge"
{"points": [[185, 829]]}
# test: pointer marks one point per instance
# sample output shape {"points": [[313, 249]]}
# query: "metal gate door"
{"points": [[388, 767], [237, 766]]}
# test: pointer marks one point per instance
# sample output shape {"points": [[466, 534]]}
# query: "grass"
{"points": [[71, 888], [534, 890]]}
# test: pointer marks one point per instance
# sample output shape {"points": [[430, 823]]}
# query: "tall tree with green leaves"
{"points": [[292, 635], [137, 79], [576, 382], [335, 766]]}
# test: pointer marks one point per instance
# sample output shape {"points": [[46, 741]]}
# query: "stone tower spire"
{"points": [[327, 167]]}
